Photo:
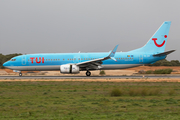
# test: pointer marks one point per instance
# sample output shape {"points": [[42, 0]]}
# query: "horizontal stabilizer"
{"points": [[164, 53]]}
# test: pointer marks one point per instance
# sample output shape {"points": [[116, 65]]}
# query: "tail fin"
{"points": [[157, 42]]}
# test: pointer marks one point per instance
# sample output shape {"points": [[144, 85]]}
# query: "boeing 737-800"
{"points": [[72, 63]]}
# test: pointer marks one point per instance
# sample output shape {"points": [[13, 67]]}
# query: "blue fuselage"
{"points": [[53, 61]]}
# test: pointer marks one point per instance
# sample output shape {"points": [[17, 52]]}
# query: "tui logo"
{"points": [[159, 45], [36, 59]]}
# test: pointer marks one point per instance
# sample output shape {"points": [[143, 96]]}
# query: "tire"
{"points": [[20, 74], [88, 73]]}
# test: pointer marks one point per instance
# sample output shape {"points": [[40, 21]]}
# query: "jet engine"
{"points": [[68, 69]]}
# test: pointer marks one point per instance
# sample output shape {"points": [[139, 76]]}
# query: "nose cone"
{"points": [[5, 64]]}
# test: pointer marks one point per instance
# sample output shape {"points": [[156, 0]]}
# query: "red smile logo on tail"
{"points": [[154, 39]]}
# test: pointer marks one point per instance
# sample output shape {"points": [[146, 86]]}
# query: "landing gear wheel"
{"points": [[20, 74], [88, 73]]}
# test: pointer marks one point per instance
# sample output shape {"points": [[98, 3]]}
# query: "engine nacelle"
{"points": [[69, 69]]}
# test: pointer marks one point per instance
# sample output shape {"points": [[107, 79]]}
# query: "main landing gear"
{"points": [[20, 74], [88, 73]]}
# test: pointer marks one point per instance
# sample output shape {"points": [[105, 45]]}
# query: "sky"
{"points": [[62, 26]]}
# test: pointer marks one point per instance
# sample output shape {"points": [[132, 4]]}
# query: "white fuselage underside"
{"points": [[57, 67]]}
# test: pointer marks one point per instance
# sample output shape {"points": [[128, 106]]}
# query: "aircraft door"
{"points": [[23, 60], [141, 58], [77, 59]]}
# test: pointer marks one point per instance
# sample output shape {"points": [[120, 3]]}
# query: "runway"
{"points": [[91, 77]]}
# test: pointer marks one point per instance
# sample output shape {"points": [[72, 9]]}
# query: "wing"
{"points": [[96, 63]]}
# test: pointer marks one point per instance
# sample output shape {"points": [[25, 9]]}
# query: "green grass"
{"points": [[89, 100], [160, 71], [102, 72]]}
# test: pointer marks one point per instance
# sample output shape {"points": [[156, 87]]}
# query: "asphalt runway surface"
{"points": [[89, 77]]}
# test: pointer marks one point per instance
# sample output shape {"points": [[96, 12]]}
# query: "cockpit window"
{"points": [[13, 60]]}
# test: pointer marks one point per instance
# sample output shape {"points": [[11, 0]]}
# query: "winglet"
{"points": [[113, 51], [112, 54]]}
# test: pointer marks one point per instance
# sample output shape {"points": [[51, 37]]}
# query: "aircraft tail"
{"points": [[157, 42]]}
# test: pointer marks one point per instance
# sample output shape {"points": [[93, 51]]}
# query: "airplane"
{"points": [[73, 63]]}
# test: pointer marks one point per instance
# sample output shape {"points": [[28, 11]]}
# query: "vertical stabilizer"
{"points": [[157, 42]]}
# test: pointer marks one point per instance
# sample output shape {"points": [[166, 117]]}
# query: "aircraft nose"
{"points": [[5, 64]]}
